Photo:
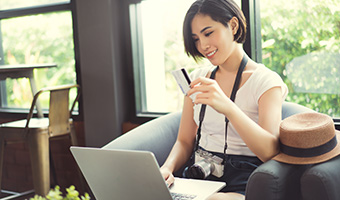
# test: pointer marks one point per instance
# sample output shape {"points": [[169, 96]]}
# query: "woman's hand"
{"points": [[168, 176], [210, 93]]}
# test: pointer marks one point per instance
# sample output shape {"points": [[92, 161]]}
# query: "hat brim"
{"points": [[281, 157]]}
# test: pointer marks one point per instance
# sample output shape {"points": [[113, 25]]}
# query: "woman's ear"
{"points": [[234, 25]]}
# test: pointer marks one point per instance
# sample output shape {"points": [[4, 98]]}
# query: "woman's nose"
{"points": [[205, 44]]}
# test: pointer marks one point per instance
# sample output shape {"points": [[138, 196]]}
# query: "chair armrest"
{"points": [[322, 181], [275, 181], [290, 108], [157, 136]]}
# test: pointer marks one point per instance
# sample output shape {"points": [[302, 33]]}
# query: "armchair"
{"points": [[272, 180], [280, 181]]}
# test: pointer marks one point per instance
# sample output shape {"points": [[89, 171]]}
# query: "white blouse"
{"points": [[247, 97]]}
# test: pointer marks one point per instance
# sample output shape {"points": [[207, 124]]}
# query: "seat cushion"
{"points": [[322, 181], [275, 181]]}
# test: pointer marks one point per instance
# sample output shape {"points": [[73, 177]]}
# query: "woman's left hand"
{"points": [[210, 93]]}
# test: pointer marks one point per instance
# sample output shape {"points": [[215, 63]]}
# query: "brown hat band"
{"points": [[310, 152]]}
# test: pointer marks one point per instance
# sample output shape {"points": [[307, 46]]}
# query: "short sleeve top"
{"points": [[247, 97]]}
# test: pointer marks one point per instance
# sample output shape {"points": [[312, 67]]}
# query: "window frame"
{"points": [[137, 57], [9, 113], [138, 61]]}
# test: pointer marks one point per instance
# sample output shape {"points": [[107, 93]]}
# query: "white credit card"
{"points": [[182, 79]]}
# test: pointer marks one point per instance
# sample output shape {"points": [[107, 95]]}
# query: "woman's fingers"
{"points": [[208, 92], [170, 181], [168, 176], [201, 80], [200, 84]]}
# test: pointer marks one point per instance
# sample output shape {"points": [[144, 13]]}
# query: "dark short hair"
{"points": [[219, 10]]}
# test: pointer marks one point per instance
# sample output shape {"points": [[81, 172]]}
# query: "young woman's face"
{"points": [[213, 40]]}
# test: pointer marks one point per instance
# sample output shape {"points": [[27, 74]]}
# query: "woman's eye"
{"points": [[209, 33], [195, 39]]}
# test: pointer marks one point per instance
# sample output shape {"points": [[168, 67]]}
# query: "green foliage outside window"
{"points": [[310, 28], [44, 38], [291, 31]]}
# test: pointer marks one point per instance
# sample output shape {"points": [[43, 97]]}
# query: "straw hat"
{"points": [[308, 138]]}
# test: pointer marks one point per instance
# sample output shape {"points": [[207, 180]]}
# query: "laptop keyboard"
{"points": [[178, 196]]}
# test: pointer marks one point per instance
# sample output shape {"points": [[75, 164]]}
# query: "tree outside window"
{"points": [[301, 41], [37, 39]]}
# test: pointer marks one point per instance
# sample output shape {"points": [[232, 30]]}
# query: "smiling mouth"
{"points": [[209, 55]]}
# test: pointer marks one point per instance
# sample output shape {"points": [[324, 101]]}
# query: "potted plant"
{"points": [[56, 194]]}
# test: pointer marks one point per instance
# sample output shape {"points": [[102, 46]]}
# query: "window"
{"points": [[35, 32], [12, 4], [302, 44], [157, 44], [300, 41]]}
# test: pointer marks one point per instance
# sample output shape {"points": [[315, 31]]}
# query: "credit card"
{"points": [[182, 79]]}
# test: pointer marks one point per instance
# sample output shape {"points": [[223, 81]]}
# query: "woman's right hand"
{"points": [[182, 149], [168, 176]]}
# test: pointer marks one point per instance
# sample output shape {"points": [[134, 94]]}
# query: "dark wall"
{"points": [[104, 68]]}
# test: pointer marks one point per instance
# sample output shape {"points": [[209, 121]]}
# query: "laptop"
{"points": [[131, 175]]}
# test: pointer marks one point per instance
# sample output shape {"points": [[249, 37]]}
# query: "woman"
{"points": [[215, 30]]}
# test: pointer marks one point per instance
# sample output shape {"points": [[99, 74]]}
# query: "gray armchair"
{"points": [[270, 181]]}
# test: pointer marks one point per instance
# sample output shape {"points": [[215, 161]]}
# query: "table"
{"points": [[24, 71]]}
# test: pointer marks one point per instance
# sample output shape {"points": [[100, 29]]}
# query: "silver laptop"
{"points": [[132, 175]]}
